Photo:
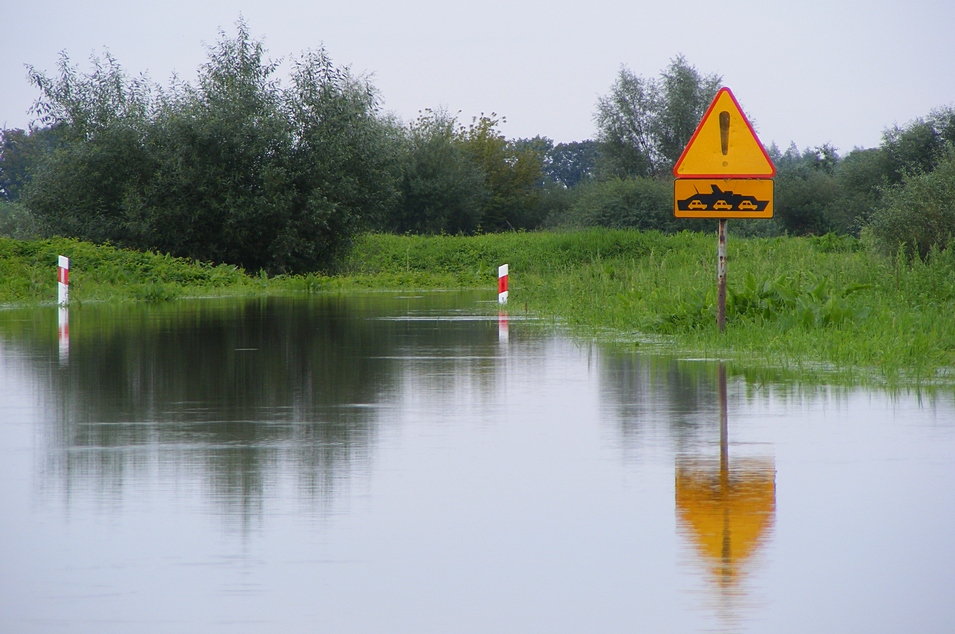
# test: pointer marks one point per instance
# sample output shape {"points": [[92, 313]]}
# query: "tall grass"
{"points": [[809, 303]]}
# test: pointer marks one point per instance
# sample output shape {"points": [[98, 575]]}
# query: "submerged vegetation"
{"points": [[820, 302]]}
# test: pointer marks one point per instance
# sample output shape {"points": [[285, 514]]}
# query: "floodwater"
{"points": [[389, 463]]}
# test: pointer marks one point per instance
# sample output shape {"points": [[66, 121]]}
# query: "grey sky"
{"points": [[809, 71]]}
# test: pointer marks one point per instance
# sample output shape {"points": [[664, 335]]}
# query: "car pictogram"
{"points": [[718, 200]]}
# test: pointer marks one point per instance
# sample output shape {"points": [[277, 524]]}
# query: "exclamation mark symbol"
{"points": [[725, 134]]}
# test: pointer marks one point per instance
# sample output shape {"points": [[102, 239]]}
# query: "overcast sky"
{"points": [[808, 71]]}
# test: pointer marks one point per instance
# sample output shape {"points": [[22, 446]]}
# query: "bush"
{"points": [[919, 214], [441, 189], [627, 203]]}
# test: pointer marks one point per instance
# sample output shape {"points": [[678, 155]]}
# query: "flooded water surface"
{"points": [[419, 463]]}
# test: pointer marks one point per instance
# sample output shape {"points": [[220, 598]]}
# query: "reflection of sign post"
{"points": [[724, 172], [727, 510]]}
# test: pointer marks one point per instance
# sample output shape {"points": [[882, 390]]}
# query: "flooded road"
{"points": [[414, 463]]}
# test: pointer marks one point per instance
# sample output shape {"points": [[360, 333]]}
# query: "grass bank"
{"points": [[823, 304], [808, 304], [104, 273]]}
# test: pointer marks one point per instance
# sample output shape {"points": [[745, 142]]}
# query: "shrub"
{"points": [[624, 203], [920, 213]]}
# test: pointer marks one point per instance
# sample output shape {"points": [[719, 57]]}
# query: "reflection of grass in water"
{"points": [[817, 308]]}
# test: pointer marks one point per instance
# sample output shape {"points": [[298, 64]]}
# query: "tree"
{"points": [[441, 188], [512, 176], [685, 95], [861, 177], [21, 153], [234, 169], [570, 164], [805, 190], [644, 123], [625, 127]]}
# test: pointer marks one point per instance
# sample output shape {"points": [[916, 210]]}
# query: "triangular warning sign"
{"points": [[724, 145]]}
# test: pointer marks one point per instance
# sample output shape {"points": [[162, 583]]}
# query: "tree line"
{"points": [[241, 167]]}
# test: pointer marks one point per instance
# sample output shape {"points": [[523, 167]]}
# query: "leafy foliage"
{"points": [[920, 213], [512, 175], [16, 221], [636, 203], [442, 189], [235, 169], [571, 164], [818, 191], [20, 153], [644, 123], [806, 190]]}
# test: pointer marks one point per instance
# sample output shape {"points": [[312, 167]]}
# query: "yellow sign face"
{"points": [[724, 145], [722, 198]]}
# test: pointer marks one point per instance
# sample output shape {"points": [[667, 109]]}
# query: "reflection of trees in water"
{"points": [[248, 395], [649, 395]]}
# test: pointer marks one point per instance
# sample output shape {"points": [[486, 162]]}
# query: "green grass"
{"points": [[822, 305], [101, 272], [805, 305]]}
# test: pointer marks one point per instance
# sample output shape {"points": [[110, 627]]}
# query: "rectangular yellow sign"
{"points": [[723, 198]]}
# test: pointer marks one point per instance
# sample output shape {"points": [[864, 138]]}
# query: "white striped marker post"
{"points": [[63, 280], [502, 284]]}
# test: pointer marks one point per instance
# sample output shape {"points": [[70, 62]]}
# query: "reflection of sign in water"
{"points": [[723, 198], [726, 511]]}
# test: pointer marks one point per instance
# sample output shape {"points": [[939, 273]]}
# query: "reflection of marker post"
{"points": [[502, 332], [502, 284], [63, 334], [63, 280], [721, 278]]}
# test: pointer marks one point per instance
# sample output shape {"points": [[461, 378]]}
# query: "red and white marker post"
{"points": [[63, 280], [63, 299], [502, 284]]}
